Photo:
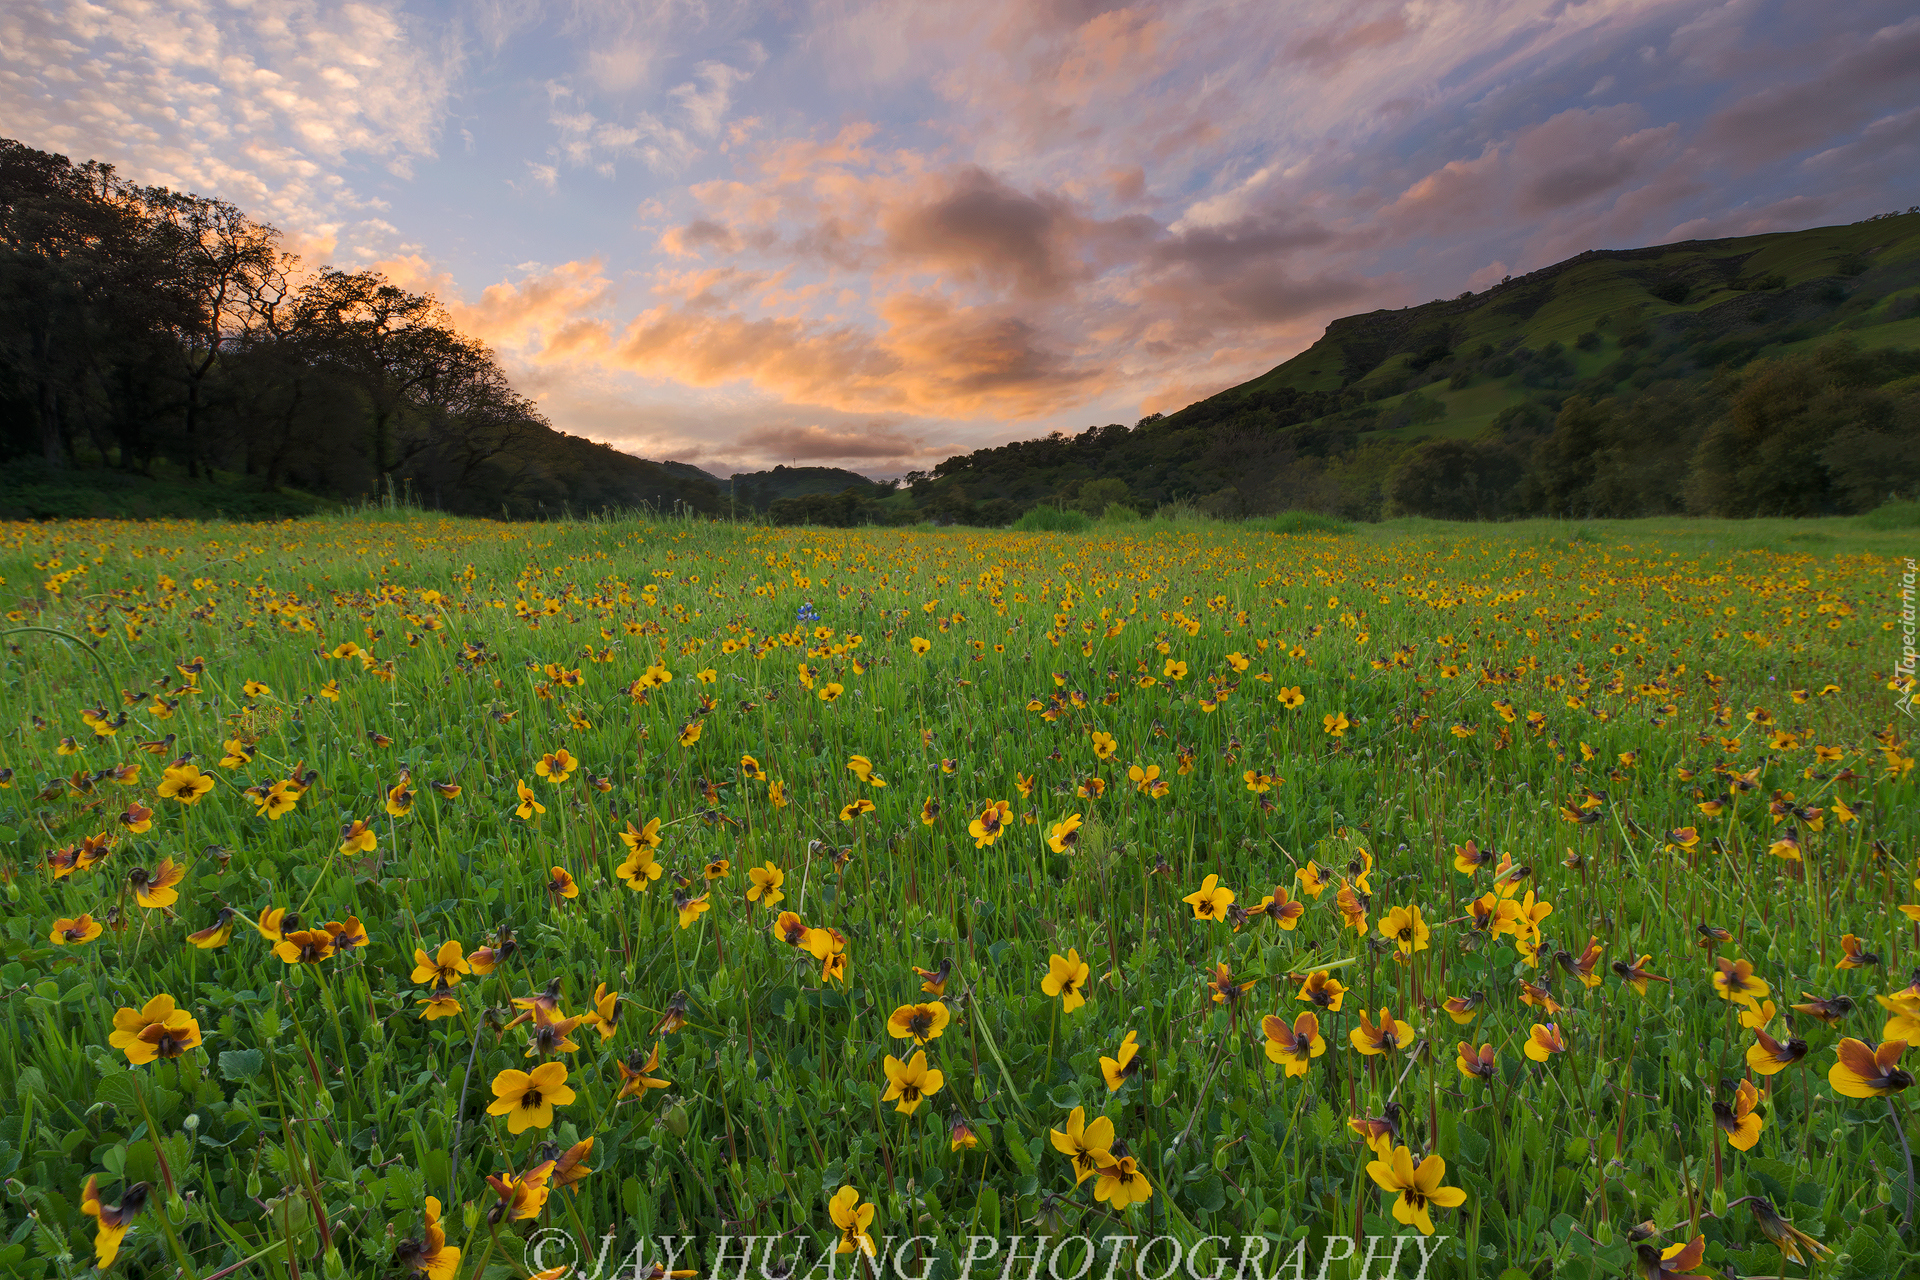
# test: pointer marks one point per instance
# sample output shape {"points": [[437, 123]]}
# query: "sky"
{"points": [[876, 233]]}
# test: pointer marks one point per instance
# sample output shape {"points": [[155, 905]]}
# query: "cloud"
{"points": [[1228, 206], [261, 105], [979, 228], [1329, 48], [705, 99], [1887, 146], [667, 141], [543, 308], [1220, 250], [1127, 183], [814, 443], [1576, 156], [1785, 120], [928, 356], [701, 233], [1571, 158], [726, 432]]}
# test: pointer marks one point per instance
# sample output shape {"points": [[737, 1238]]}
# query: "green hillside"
{"points": [[1605, 322], [1620, 382]]}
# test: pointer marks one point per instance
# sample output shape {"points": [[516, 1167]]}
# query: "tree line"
{"points": [[1828, 431], [1831, 431], [144, 328]]}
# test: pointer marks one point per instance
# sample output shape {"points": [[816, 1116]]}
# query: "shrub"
{"points": [[1180, 511], [1096, 496], [1045, 519], [1417, 410]]}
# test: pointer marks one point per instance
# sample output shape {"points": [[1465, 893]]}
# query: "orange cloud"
{"points": [[543, 306], [929, 356], [545, 310]]}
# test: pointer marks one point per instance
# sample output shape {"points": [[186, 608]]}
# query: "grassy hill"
{"points": [[1605, 322], [1669, 345]]}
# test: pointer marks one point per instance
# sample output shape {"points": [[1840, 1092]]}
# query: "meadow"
{"points": [[386, 894]]}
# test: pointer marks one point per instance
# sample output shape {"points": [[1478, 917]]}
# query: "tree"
{"points": [[71, 274], [389, 341], [1455, 480], [225, 264], [1563, 462], [1810, 434], [1097, 495]]}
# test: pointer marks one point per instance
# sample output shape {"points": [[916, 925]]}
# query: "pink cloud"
{"points": [[969, 225], [1847, 92], [1569, 159], [1328, 49]]}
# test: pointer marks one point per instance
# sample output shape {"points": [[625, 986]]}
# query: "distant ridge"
{"points": [[687, 471]]}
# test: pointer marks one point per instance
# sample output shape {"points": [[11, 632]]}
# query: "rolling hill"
{"points": [[1602, 322], [1659, 346], [761, 489]]}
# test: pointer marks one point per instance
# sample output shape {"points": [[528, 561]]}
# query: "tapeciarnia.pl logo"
{"points": [[1903, 667]]}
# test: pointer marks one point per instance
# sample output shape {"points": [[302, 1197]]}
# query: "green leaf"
{"points": [[1473, 1147], [989, 1204], [120, 1091], [144, 1166], [30, 1083], [1775, 1176], [241, 1064], [1208, 1194], [1868, 1253]]}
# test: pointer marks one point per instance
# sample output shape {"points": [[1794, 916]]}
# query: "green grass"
{"points": [[1892, 515], [966, 668], [30, 490], [1304, 522]]}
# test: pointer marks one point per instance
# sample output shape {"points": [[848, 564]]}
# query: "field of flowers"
{"points": [[387, 895]]}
